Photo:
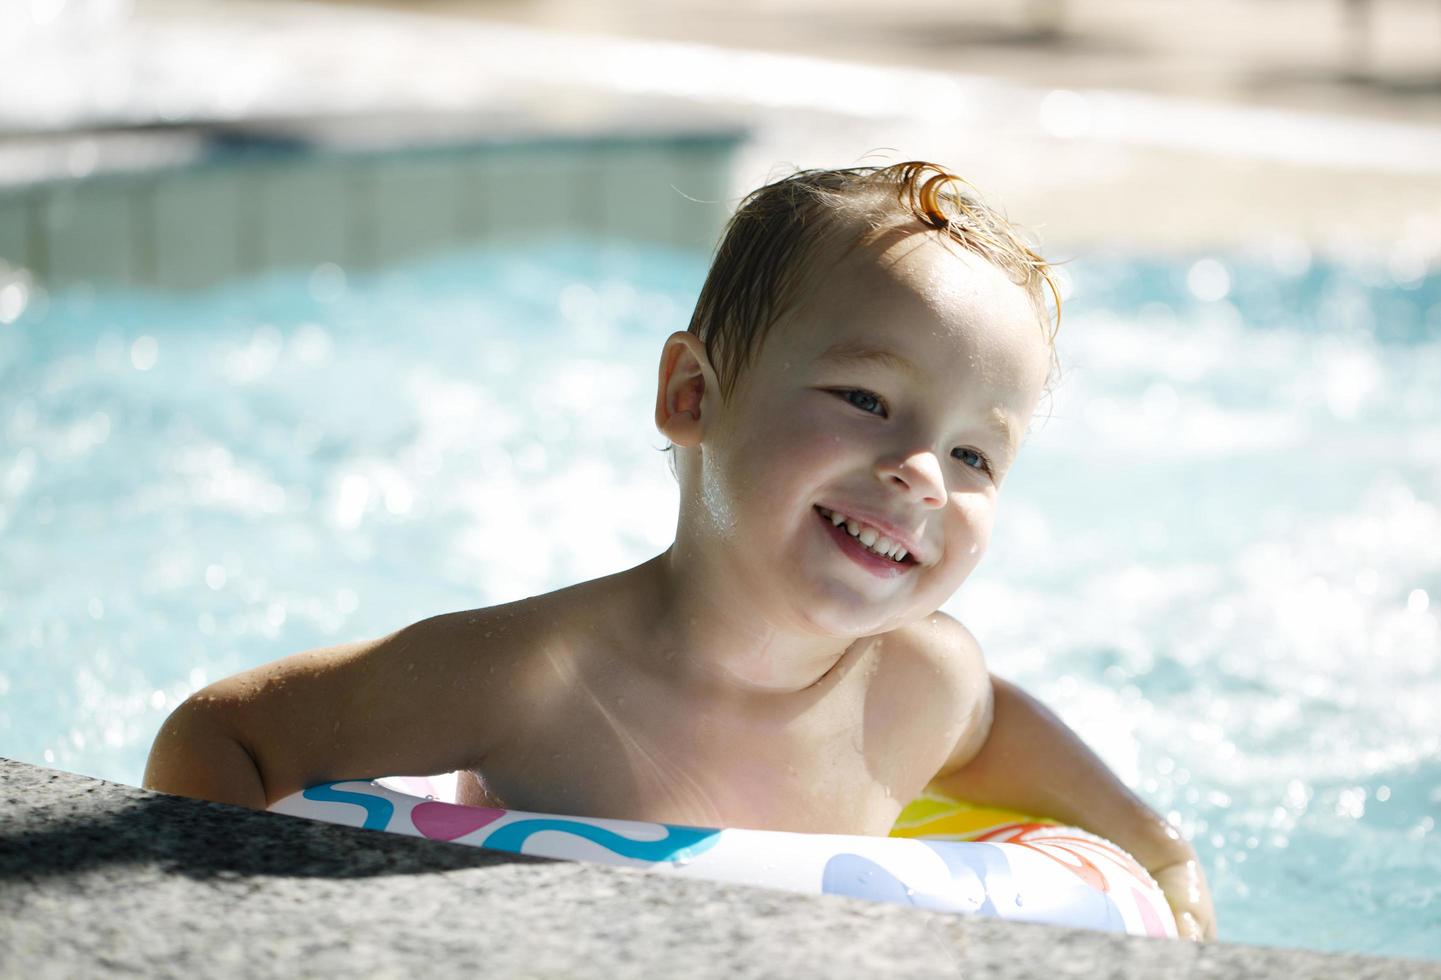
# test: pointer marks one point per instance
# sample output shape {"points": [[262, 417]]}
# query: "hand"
{"points": [[1185, 888]]}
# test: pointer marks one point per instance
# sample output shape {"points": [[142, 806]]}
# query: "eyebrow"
{"points": [[998, 420], [851, 353]]}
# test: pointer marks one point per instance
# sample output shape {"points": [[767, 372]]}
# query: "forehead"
{"points": [[919, 305]]}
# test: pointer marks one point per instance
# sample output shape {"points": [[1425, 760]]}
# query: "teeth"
{"points": [[869, 536]]}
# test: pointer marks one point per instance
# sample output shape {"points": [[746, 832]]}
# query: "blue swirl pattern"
{"points": [[378, 810], [679, 843]]}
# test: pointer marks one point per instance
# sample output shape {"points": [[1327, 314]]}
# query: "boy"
{"points": [[862, 363]]}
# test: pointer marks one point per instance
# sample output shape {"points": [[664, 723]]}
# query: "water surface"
{"points": [[1219, 556]]}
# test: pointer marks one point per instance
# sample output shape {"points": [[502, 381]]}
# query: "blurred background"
{"points": [[1217, 121], [320, 318]]}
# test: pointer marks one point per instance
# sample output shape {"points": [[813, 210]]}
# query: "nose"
{"points": [[918, 475]]}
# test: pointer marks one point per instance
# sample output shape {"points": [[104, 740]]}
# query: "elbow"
{"points": [[199, 754]]}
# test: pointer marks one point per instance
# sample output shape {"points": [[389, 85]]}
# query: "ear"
{"points": [[685, 380]]}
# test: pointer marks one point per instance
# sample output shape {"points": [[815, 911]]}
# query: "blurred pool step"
{"points": [[243, 210]]}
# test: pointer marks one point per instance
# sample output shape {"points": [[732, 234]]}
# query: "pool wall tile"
{"points": [[92, 233], [473, 176], [584, 180], [273, 207], [702, 189], [198, 229], [530, 192], [414, 207], [15, 233], [636, 196], [307, 216]]}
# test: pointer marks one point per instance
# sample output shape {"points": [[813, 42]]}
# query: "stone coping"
{"points": [[101, 877]]}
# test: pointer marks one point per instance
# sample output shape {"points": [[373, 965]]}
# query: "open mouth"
{"points": [[869, 560]]}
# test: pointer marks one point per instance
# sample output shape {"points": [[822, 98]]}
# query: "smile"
{"points": [[854, 547]]}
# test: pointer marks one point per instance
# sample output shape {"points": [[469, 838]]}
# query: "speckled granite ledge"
{"points": [[99, 877]]}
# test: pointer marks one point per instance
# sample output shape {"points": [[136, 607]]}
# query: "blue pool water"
{"points": [[1219, 557]]}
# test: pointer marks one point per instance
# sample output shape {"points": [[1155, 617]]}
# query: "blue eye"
{"points": [[965, 456], [872, 404], [865, 398]]}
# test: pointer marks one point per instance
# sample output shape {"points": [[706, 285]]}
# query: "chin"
{"points": [[846, 632], [849, 616]]}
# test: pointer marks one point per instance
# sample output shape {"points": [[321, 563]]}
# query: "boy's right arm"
{"points": [[402, 704]]}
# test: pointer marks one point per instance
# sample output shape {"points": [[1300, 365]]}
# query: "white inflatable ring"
{"points": [[1024, 871]]}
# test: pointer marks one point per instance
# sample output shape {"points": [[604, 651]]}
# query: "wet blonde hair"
{"points": [[770, 245]]}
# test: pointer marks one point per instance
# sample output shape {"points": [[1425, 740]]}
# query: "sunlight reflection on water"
{"points": [[1217, 557]]}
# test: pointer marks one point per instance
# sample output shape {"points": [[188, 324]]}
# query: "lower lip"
{"points": [[861, 555]]}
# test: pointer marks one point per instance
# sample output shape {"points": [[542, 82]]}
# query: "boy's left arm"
{"points": [[1020, 756]]}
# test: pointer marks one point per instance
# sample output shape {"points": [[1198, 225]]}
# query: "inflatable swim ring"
{"points": [[942, 855]]}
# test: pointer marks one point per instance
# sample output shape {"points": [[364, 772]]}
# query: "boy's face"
{"points": [[917, 442]]}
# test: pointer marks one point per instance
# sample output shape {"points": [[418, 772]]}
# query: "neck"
{"points": [[704, 633]]}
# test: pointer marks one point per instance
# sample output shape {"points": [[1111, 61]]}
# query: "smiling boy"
{"points": [[861, 367]]}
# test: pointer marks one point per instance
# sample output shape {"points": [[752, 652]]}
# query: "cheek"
{"points": [[968, 527], [788, 448]]}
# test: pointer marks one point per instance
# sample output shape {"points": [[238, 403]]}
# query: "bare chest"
{"points": [[822, 770]]}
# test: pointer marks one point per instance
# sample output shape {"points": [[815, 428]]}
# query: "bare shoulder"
{"points": [[428, 698], [944, 643], [953, 657]]}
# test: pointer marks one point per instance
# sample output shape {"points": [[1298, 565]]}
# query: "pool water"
{"points": [[1219, 557]]}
